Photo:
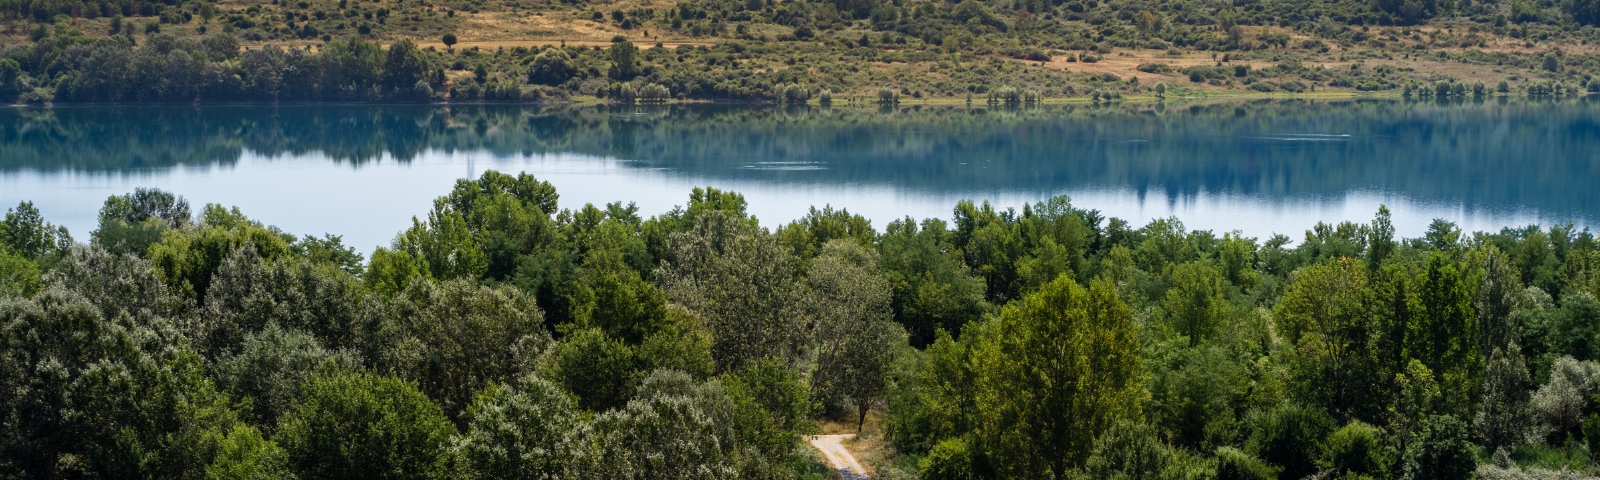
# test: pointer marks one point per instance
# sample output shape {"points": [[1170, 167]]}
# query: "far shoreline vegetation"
{"points": [[785, 51]]}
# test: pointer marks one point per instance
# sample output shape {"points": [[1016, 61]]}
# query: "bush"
{"points": [[888, 95], [529, 429], [1154, 68], [365, 426], [1440, 449], [954, 459], [1355, 449], [1233, 464], [1290, 436]]}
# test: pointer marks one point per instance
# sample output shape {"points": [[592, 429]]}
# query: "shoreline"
{"points": [[835, 103]]}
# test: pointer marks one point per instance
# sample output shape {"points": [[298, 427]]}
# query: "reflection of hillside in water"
{"points": [[1493, 153]]}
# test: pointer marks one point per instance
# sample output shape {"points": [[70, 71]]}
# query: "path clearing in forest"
{"points": [[832, 446]]}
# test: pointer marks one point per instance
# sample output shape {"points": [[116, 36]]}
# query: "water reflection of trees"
{"points": [[1537, 152]]}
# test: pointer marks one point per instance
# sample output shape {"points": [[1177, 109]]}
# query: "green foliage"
{"points": [[1356, 449], [954, 459], [742, 282], [458, 336], [933, 289], [272, 364], [249, 293], [87, 395], [526, 429], [1193, 304], [1505, 417], [1233, 464], [602, 371], [1441, 448], [187, 260], [26, 234], [674, 428], [770, 406], [18, 276], [246, 455], [808, 234], [1063, 367], [444, 245], [697, 344], [1128, 451], [857, 344], [363, 425], [1289, 436]]}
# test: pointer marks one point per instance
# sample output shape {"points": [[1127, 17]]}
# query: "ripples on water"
{"points": [[1261, 166]]}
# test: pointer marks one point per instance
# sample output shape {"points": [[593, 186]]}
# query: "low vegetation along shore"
{"points": [[504, 335], [1013, 51]]}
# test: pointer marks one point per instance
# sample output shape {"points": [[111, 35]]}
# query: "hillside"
{"points": [[121, 50]]}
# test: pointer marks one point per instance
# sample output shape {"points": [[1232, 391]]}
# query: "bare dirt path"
{"points": [[832, 446]]}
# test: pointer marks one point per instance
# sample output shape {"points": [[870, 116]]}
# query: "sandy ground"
{"points": [[832, 446]]}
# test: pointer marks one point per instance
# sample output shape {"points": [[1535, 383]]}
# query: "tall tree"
{"points": [[1063, 368]]}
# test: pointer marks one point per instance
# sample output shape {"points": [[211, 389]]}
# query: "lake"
{"points": [[1259, 166]]}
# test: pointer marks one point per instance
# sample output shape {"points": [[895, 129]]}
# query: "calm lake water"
{"points": [[1262, 167]]}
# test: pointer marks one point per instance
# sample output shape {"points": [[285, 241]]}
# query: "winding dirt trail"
{"points": [[832, 446]]}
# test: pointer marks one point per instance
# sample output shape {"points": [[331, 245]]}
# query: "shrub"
{"points": [[1290, 436], [1154, 68], [365, 426], [954, 459], [1355, 449], [1440, 449], [1233, 464]]}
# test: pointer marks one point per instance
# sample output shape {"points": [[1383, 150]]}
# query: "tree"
{"points": [[18, 276], [1233, 464], [933, 289], [272, 364], [449, 40], [770, 406], [1290, 436], [1063, 368], [742, 282], [94, 396], [187, 260], [1129, 451], [363, 425], [1380, 239], [458, 337], [529, 428], [806, 235], [1193, 305], [1441, 449], [445, 244], [550, 67], [1443, 334], [602, 371], [247, 455], [403, 66], [1355, 449], [622, 60], [1504, 416], [248, 294], [26, 234], [674, 428], [117, 284], [856, 341]]}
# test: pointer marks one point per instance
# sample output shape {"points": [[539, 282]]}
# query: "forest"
{"points": [[506, 335]]}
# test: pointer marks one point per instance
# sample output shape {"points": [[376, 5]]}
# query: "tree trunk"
{"points": [[861, 407]]}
